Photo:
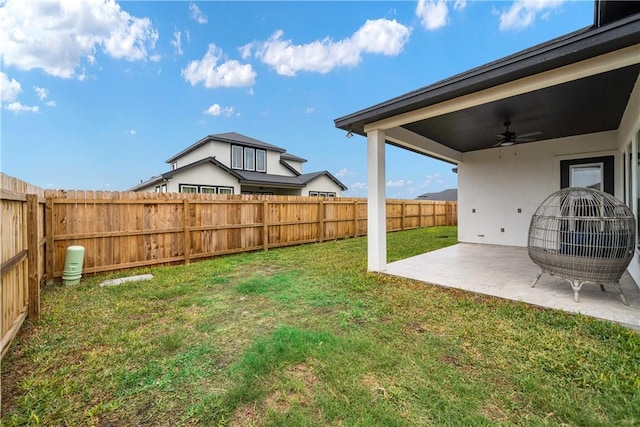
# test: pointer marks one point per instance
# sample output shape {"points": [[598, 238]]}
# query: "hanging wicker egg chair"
{"points": [[583, 236]]}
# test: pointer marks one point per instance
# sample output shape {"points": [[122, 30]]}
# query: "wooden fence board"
{"points": [[142, 229], [22, 249]]}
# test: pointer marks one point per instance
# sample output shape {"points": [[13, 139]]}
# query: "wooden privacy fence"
{"points": [[121, 230], [21, 254]]}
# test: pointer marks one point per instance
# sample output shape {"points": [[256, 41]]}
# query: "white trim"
{"points": [[264, 160], [208, 187], [249, 159], [237, 154], [376, 203], [181, 187], [599, 165], [407, 139]]}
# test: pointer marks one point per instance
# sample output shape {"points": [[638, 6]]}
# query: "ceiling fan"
{"points": [[508, 138]]}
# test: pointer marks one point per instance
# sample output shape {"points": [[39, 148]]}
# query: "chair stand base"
{"points": [[576, 285]]}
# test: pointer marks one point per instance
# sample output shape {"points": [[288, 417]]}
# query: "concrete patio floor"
{"points": [[507, 272]]}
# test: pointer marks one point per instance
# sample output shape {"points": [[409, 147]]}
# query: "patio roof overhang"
{"points": [[573, 85]]}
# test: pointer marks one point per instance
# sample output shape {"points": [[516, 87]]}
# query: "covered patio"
{"points": [[507, 272]]}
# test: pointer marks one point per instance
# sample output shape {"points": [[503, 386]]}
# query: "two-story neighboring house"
{"points": [[231, 163]]}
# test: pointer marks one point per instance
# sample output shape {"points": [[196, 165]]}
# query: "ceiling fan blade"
{"points": [[523, 139], [527, 135]]}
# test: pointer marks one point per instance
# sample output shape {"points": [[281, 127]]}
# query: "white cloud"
{"points": [[398, 183], [345, 172], [381, 36], [228, 74], [57, 35], [197, 15], [130, 132], [217, 110], [176, 43], [357, 189], [358, 186], [41, 92], [245, 51], [9, 89], [523, 13], [309, 110], [50, 103], [433, 14], [17, 107], [459, 4]]}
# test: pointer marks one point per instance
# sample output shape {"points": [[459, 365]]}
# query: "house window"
{"points": [[158, 189], [590, 175], [584, 172], [225, 190], [261, 161], [163, 188], [249, 159], [207, 190], [236, 157], [188, 188], [174, 165], [321, 194]]}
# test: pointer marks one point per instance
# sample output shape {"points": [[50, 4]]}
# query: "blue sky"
{"points": [[97, 95]]}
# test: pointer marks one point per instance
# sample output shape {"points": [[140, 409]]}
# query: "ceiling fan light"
{"points": [[506, 143]]}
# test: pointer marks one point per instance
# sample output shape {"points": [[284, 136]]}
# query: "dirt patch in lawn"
{"points": [[295, 389]]}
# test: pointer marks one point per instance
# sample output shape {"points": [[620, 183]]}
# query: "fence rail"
{"points": [[125, 230]]}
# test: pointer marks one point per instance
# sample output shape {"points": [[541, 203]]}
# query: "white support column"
{"points": [[376, 203]]}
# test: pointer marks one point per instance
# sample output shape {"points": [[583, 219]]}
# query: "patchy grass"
{"points": [[304, 336]]}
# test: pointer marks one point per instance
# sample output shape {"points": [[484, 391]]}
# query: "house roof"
{"points": [[288, 156], [541, 89], [290, 168], [245, 177], [229, 137], [308, 177], [450, 194]]}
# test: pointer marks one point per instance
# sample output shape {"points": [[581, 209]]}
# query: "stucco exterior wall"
{"points": [[221, 151], [629, 134], [274, 167], [205, 174], [296, 165], [322, 183], [500, 189]]}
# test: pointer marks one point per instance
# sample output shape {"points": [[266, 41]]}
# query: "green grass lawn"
{"points": [[304, 336]]}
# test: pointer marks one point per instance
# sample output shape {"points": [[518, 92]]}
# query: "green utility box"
{"points": [[73, 265]]}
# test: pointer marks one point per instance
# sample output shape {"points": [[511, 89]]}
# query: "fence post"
{"points": [[187, 232], [434, 214], [50, 250], [33, 257], [265, 224], [403, 214], [355, 218], [321, 220]]}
